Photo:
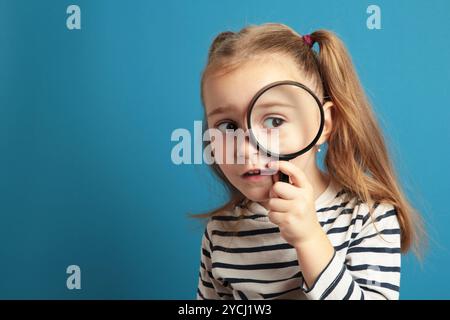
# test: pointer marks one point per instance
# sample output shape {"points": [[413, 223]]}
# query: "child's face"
{"points": [[234, 91]]}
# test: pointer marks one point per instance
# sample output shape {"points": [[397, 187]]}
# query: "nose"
{"points": [[247, 151]]}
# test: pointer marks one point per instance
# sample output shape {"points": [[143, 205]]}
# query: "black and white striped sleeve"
{"points": [[208, 287], [370, 269]]}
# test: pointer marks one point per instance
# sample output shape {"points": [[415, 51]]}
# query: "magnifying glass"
{"points": [[285, 119]]}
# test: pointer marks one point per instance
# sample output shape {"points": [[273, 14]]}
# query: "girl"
{"points": [[337, 234]]}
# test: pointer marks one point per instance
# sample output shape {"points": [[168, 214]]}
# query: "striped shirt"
{"points": [[246, 257]]}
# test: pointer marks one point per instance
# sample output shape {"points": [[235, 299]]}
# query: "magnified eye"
{"points": [[273, 122], [224, 126]]}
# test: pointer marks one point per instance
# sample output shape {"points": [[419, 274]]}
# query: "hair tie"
{"points": [[308, 40]]}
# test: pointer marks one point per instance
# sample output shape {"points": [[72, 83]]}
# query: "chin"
{"points": [[256, 195]]}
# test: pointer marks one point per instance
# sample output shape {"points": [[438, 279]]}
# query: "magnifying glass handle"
{"points": [[284, 177]]}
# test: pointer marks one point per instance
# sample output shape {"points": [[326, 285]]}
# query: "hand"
{"points": [[292, 206]]}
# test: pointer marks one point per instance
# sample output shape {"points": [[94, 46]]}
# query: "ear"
{"points": [[328, 110]]}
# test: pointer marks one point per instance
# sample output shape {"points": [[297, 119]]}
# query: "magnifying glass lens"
{"points": [[285, 119]]}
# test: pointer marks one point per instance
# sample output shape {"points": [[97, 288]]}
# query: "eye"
{"points": [[273, 122], [227, 125]]}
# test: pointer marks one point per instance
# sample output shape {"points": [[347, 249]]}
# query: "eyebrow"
{"points": [[218, 111], [275, 103], [227, 108]]}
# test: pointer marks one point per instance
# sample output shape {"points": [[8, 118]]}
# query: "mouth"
{"points": [[258, 172]]}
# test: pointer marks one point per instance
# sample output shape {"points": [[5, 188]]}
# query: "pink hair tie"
{"points": [[308, 40]]}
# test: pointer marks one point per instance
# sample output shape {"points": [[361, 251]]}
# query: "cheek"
{"points": [[223, 154], [232, 174], [228, 170], [305, 161]]}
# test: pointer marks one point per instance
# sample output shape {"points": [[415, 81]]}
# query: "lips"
{"points": [[259, 172]]}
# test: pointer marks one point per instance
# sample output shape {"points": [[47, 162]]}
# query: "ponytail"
{"points": [[357, 156]]}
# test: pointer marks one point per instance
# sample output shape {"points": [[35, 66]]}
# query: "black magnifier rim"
{"points": [[255, 98]]}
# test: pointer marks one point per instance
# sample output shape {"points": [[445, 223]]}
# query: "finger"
{"points": [[284, 191], [276, 217], [297, 175], [277, 204]]}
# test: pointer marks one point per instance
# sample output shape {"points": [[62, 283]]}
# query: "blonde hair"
{"points": [[357, 156]]}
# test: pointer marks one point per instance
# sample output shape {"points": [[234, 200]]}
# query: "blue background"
{"points": [[86, 117]]}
